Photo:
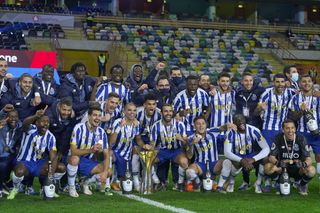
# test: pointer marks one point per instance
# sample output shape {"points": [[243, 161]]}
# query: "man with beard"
{"points": [[125, 130], [240, 152], [88, 139], [169, 136], [31, 160], [191, 103], [222, 102], [47, 86], [10, 133], [273, 108], [61, 123], [115, 85], [302, 103], [78, 86], [203, 145], [290, 150], [23, 96], [147, 115], [247, 98]]}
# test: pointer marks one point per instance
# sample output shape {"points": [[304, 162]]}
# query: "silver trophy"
{"points": [[147, 159]]}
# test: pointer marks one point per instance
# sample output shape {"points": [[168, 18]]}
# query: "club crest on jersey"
{"points": [[52, 91], [254, 97], [296, 147]]}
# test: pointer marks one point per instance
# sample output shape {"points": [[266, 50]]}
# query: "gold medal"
{"points": [[169, 146], [6, 149], [109, 131], [241, 152], [290, 162]]}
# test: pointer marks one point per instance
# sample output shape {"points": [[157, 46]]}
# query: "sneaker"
{"points": [[66, 189], [30, 191], [136, 183], [155, 178], [266, 189], [108, 192], [12, 194], [162, 187], [244, 186], [257, 189], [197, 187], [175, 187], [221, 190], [86, 190], [230, 187], [115, 186], [296, 184], [303, 190], [181, 187], [73, 192]]}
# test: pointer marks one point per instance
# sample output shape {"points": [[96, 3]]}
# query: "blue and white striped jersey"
{"points": [[206, 149], [147, 122], [34, 145], [104, 90], [242, 143], [164, 137], [108, 126], [194, 105], [277, 108], [83, 138], [313, 105], [221, 108], [125, 135]]}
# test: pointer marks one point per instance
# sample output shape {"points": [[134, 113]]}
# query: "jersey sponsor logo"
{"points": [[286, 155]]}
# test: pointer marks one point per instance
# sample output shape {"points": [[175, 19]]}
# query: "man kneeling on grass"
{"points": [[31, 160]]}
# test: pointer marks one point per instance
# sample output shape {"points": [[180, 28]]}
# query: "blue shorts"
{"points": [[34, 167], [204, 167], [269, 135], [120, 165], [86, 166], [313, 141], [168, 154]]}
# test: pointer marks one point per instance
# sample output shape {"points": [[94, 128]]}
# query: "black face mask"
{"points": [[177, 80], [165, 92]]}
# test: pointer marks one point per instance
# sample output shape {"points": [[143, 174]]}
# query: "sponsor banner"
{"points": [[30, 59], [64, 21], [31, 62]]}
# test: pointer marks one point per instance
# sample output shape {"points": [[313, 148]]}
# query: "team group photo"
{"points": [[103, 108]]}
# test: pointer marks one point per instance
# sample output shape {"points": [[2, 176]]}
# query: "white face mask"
{"points": [[295, 76]]}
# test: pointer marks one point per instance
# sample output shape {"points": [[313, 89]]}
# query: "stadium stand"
{"points": [[194, 50]]}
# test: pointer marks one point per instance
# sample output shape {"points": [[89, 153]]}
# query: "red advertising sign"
{"points": [[28, 59]]}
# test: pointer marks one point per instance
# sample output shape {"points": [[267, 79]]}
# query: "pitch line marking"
{"points": [[155, 203]]}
